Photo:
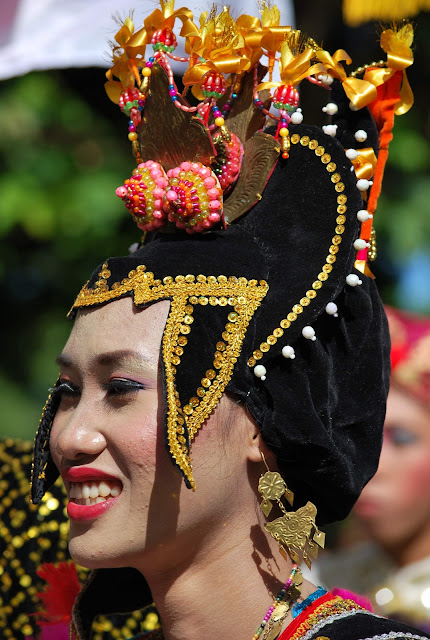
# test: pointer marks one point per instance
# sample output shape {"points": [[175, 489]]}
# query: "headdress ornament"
{"points": [[253, 228]]}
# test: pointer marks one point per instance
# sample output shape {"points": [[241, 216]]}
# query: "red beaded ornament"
{"points": [[143, 195], [164, 40], [193, 199], [213, 85], [286, 97]]}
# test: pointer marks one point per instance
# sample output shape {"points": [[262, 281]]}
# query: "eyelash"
{"points": [[115, 388]]}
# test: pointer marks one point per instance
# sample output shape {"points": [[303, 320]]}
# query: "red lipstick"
{"points": [[89, 512], [85, 474]]}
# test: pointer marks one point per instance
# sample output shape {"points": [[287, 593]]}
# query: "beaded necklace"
{"points": [[271, 625]]}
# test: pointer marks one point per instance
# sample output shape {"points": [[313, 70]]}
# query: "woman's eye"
{"points": [[400, 436], [121, 386], [67, 388]]}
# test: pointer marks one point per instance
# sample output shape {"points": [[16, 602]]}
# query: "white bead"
{"points": [[330, 129], [260, 371], [353, 280], [325, 78], [309, 333], [288, 352], [331, 108], [364, 184], [360, 135], [360, 244], [133, 247], [331, 309], [363, 215], [297, 117], [352, 154]]}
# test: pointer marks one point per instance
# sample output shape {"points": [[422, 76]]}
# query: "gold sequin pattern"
{"points": [[242, 296], [326, 269]]}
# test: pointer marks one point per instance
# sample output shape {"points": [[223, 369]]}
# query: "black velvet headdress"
{"points": [[269, 306]]}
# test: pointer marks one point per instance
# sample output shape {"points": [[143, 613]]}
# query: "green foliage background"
{"points": [[63, 152]]}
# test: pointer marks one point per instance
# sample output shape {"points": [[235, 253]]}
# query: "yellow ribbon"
{"points": [[218, 46], [294, 68], [359, 92], [397, 46], [365, 163]]}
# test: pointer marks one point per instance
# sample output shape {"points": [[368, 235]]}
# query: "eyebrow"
{"points": [[108, 358]]}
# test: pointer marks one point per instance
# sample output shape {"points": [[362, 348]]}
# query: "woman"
{"points": [[394, 507], [253, 343]]}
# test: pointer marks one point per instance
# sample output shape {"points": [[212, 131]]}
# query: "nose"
{"points": [[76, 436]]}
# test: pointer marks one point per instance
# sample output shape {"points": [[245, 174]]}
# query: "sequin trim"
{"points": [[241, 295], [310, 295], [396, 634], [346, 614], [333, 608]]}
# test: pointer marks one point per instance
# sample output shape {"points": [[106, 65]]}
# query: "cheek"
{"points": [[417, 478]]}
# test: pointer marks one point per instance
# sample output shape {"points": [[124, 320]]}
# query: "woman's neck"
{"points": [[225, 590]]}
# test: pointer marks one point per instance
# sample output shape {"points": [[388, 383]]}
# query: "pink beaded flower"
{"points": [[194, 199], [143, 195]]}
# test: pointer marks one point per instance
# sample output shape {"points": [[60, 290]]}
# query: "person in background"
{"points": [[393, 566]]}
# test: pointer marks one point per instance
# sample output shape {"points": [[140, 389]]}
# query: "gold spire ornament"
{"points": [[295, 531]]}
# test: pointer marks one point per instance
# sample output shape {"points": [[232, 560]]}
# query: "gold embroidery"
{"points": [[297, 309], [241, 295]]}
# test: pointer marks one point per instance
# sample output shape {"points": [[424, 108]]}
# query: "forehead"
{"points": [[118, 326]]}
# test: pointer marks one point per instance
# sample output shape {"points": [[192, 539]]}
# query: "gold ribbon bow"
{"points": [[359, 92], [294, 68], [365, 163], [131, 46], [397, 46], [218, 46]]}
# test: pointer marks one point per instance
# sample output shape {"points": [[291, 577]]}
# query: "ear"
{"points": [[255, 443]]}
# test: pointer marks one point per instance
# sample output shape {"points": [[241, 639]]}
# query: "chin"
{"points": [[93, 555]]}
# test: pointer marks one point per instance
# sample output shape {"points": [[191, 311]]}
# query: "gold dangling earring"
{"points": [[295, 531]]}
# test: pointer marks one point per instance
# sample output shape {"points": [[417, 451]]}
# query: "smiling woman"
{"points": [[239, 354]]}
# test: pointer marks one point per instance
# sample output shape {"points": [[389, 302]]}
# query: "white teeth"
{"points": [[94, 490], [104, 489], [92, 493]]}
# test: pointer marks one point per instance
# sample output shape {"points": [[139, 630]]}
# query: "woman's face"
{"points": [[395, 505], [107, 441]]}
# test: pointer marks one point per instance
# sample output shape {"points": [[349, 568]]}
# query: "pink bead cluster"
{"points": [[194, 199], [228, 170], [143, 195]]}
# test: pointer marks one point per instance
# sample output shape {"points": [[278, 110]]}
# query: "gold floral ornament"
{"points": [[397, 45], [360, 92], [218, 46]]}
